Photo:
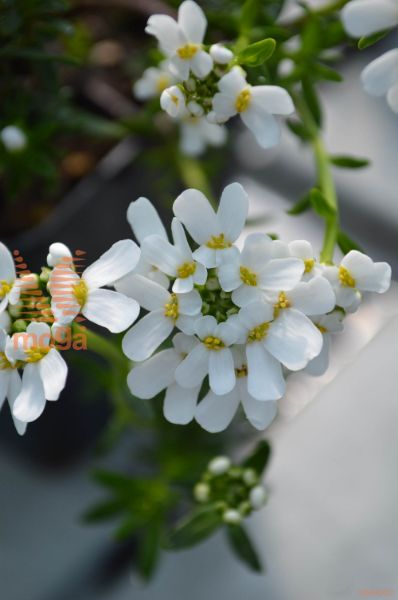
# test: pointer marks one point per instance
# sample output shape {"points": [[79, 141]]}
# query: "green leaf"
{"points": [[346, 243], [242, 546], [194, 528], [349, 162], [299, 129], [259, 458], [256, 54], [113, 481], [249, 14], [103, 511], [369, 40], [149, 550], [323, 72], [320, 204], [311, 99], [301, 205]]}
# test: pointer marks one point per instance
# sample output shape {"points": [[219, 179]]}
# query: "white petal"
{"points": [[4, 381], [190, 303], [31, 400], [246, 294], [194, 368], [180, 403], [162, 254], [273, 99], [392, 98], [141, 341], [192, 21], [58, 253], [144, 220], [193, 209], [281, 274], [263, 125], [259, 413], [381, 74], [63, 302], [147, 379], [221, 371], [224, 107], [114, 311], [232, 83], [257, 251], [187, 324], [183, 344], [232, 211], [265, 379], [313, 297], [41, 333], [201, 64], [183, 286], [220, 54], [7, 268], [180, 69], [301, 249], [369, 276], [206, 256], [53, 373], [256, 313], [149, 294], [120, 259], [229, 330], [364, 17], [192, 142], [293, 339], [180, 239], [205, 326], [318, 365], [229, 275], [167, 32], [214, 413], [200, 275], [14, 389]]}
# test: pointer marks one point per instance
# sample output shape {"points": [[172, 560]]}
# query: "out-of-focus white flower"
{"points": [[72, 294], [13, 138], [182, 41], [5, 321], [153, 81], [58, 254], [258, 497], [9, 286], [232, 517], [219, 465], [44, 370], [380, 78], [196, 133], [364, 17], [357, 273], [195, 109], [10, 382], [172, 101], [214, 232], [256, 105], [304, 250], [327, 324], [220, 54]]}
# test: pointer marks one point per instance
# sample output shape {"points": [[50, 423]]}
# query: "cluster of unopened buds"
{"points": [[203, 87], [223, 326], [236, 491]]}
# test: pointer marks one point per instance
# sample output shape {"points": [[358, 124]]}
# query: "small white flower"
{"points": [[10, 287], [201, 492], [303, 249], [256, 105], [232, 517], [380, 78], [357, 273], [10, 381], [13, 138], [154, 80], [214, 232], [182, 41], [175, 260], [258, 497], [58, 254], [197, 133], [327, 324], [44, 372], [219, 465], [220, 54], [166, 311], [195, 109], [364, 17], [172, 101], [72, 294]]}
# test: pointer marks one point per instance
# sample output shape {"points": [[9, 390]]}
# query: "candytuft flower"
{"points": [[9, 288], [10, 381], [153, 82], [196, 133]]}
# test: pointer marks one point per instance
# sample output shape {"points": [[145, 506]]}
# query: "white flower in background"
{"points": [[149, 378], [13, 138], [380, 78], [212, 356], [172, 101], [153, 81], [304, 250], [175, 260], [196, 133], [10, 382], [9, 286], [220, 54], [214, 413], [166, 311], [253, 271], [357, 273], [214, 232], [256, 105], [72, 294], [58, 254], [44, 373], [5, 321], [182, 41], [327, 325]]}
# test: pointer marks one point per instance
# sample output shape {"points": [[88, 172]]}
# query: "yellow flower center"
{"points": [[241, 371], [321, 328], [4, 362], [171, 308], [162, 83], [5, 288], [248, 277], [174, 99], [213, 343], [186, 270], [80, 292], [243, 100], [283, 302], [308, 265], [188, 51], [258, 333], [345, 277], [218, 242], [36, 353]]}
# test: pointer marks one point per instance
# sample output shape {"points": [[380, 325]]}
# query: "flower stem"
{"points": [[194, 176], [102, 346]]}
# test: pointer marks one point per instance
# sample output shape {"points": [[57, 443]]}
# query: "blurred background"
{"points": [[330, 529]]}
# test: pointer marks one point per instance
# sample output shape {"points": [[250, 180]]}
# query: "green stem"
{"points": [[194, 176], [102, 346]]}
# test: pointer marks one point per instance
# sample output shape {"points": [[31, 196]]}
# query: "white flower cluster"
{"points": [[204, 87], [240, 319], [362, 18]]}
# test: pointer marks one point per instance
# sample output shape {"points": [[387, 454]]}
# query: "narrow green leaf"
{"points": [[194, 528], [369, 40], [259, 458], [256, 54], [249, 14], [242, 546], [311, 99], [346, 243], [301, 205], [321, 205], [103, 511], [323, 72], [349, 162], [149, 550]]}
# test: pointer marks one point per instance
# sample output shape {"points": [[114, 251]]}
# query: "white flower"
{"points": [[44, 370], [10, 382], [153, 81], [182, 41], [220, 54], [219, 465], [380, 78], [13, 138], [166, 311], [9, 286], [172, 101], [147, 379], [212, 356], [255, 105], [58, 254], [72, 294], [248, 274], [214, 413], [195, 109], [364, 17], [214, 232], [176, 261], [303, 249], [258, 497], [357, 273], [5, 321], [232, 516], [327, 324], [197, 133]]}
